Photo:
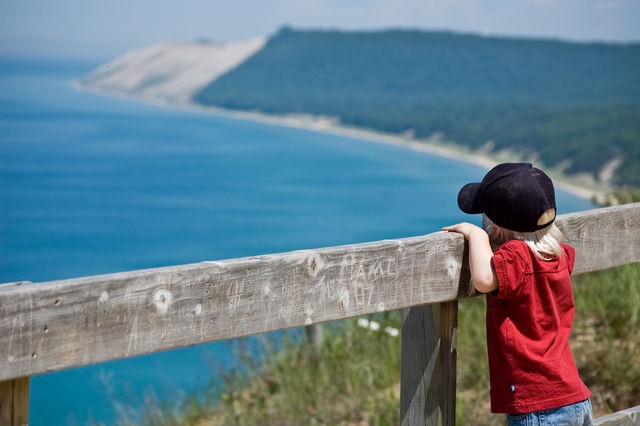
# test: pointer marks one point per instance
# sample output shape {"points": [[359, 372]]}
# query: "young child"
{"points": [[530, 305]]}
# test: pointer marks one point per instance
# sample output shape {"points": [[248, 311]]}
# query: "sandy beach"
{"points": [[580, 186]]}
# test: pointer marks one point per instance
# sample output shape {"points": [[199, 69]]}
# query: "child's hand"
{"points": [[463, 228], [482, 273]]}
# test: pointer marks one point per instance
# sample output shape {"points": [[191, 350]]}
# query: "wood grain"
{"points": [[448, 358], [420, 386], [428, 373], [14, 402], [603, 238], [61, 324], [628, 417], [55, 325]]}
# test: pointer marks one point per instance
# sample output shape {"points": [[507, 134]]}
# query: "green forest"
{"points": [[575, 106]]}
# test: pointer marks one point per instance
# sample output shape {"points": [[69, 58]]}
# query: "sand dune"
{"points": [[171, 72]]}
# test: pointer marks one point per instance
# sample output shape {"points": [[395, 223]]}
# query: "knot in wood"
{"points": [[343, 297], [314, 264], [161, 301], [453, 267]]}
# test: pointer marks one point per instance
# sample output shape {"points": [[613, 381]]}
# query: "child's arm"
{"points": [[483, 274]]}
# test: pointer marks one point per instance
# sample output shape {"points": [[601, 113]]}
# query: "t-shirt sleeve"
{"points": [[570, 255], [511, 269]]}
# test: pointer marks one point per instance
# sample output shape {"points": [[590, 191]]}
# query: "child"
{"points": [[530, 305]]}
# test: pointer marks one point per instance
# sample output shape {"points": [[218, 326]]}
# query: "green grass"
{"points": [[472, 396], [354, 377], [606, 338]]}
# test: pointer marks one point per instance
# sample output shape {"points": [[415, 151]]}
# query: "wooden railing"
{"points": [[55, 325]]}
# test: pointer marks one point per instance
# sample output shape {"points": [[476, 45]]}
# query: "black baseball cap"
{"points": [[512, 195]]}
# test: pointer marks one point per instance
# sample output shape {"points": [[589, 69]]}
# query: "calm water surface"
{"points": [[92, 185]]}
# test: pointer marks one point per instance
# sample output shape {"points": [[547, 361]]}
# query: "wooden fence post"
{"points": [[428, 383], [14, 402]]}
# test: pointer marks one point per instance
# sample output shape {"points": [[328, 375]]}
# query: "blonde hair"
{"points": [[545, 243]]}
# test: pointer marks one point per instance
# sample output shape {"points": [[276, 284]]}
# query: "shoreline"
{"points": [[574, 185]]}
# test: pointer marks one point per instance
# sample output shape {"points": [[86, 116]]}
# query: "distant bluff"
{"points": [[428, 68], [170, 72], [571, 106]]}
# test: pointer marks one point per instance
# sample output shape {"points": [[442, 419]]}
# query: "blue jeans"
{"points": [[577, 414]]}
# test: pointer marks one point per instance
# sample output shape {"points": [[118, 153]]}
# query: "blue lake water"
{"points": [[92, 185]]}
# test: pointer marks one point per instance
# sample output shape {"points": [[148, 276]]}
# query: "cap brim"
{"points": [[468, 198]]}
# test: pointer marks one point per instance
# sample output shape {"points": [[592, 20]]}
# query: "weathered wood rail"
{"points": [[56, 325]]}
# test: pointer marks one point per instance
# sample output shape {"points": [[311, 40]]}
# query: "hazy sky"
{"points": [[102, 29]]}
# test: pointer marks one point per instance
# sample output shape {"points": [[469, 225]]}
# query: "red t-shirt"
{"points": [[529, 320]]}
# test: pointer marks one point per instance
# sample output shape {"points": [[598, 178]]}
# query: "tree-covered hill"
{"points": [[574, 104]]}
